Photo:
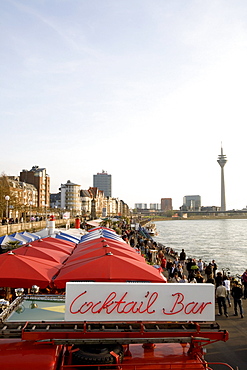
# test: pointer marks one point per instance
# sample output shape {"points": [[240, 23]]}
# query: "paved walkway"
{"points": [[234, 351]]}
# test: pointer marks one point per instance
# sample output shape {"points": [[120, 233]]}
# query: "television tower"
{"points": [[222, 161]]}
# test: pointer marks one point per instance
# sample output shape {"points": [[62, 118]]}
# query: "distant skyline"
{"points": [[145, 89]]}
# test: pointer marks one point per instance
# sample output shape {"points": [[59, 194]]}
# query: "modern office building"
{"points": [[222, 161], [166, 204], [155, 206], [102, 181], [39, 178], [192, 203], [141, 206]]}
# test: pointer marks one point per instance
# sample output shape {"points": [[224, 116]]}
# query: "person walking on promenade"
{"points": [[189, 264], [210, 280], [173, 270], [176, 261], [214, 266], [182, 257], [160, 256], [184, 279], [175, 278], [169, 266], [221, 294], [244, 280], [226, 283], [163, 263], [237, 294], [199, 277], [218, 278], [200, 265], [193, 270], [209, 271], [180, 270]]}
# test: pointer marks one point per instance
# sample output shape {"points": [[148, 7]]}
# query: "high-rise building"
{"points": [[192, 202], [141, 206], [102, 181], [222, 161], [155, 206], [166, 204], [39, 178]]}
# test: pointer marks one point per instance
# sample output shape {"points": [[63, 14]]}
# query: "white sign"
{"points": [[139, 302], [66, 216]]}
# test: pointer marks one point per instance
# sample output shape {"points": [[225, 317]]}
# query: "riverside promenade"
{"points": [[234, 351]]}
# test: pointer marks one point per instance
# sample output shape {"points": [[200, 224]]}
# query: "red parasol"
{"points": [[108, 268], [99, 242], [45, 253], [100, 251], [18, 271], [52, 243], [82, 248], [59, 241]]}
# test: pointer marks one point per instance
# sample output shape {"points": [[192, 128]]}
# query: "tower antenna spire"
{"points": [[222, 161]]}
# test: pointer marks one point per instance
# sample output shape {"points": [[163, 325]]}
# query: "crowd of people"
{"points": [[180, 269], [17, 220]]}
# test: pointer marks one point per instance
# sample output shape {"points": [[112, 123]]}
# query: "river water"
{"points": [[224, 240]]}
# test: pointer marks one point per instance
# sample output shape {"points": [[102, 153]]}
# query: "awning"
{"points": [[94, 222]]}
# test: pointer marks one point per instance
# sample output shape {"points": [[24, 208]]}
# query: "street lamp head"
{"points": [[7, 198]]}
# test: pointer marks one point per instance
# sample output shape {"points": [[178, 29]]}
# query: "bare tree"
{"points": [[15, 203]]}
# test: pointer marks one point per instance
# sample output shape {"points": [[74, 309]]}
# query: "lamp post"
{"points": [[30, 203], [46, 220], [24, 204], [7, 198], [46, 205]]}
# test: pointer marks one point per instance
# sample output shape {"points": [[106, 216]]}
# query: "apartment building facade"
{"points": [[41, 180]]}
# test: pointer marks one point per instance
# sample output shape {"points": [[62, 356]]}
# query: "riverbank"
{"points": [[201, 217]]}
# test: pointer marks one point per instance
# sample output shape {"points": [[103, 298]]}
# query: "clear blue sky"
{"points": [[144, 89]]}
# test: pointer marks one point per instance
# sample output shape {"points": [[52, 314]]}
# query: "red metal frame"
{"points": [[149, 342], [143, 332], [34, 332], [195, 362]]}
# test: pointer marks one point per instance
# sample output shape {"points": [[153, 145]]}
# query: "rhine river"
{"points": [[223, 240]]}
